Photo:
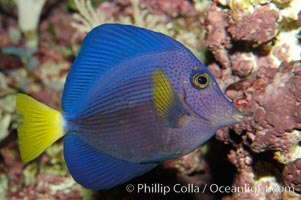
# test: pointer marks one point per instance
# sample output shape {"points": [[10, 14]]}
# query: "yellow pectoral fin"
{"points": [[40, 126], [166, 101]]}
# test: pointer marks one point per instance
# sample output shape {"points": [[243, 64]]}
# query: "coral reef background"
{"points": [[252, 47]]}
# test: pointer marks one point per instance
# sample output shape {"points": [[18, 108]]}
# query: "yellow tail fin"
{"points": [[40, 126]]}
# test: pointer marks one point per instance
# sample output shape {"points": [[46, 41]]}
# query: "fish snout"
{"points": [[237, 116], [228, 118]]}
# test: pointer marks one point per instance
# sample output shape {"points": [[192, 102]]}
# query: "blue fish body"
{"points": [[132, 98]]}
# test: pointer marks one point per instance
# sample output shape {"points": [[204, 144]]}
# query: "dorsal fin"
{"points": [[105, 47]]}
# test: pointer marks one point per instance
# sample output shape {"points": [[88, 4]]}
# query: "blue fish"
{"points": [[132, 98]]}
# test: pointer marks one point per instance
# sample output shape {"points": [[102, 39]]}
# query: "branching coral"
{"points": [[87, 17], [166, 16]]}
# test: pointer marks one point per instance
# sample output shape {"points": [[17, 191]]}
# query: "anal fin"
{"points": [[96, 170]]}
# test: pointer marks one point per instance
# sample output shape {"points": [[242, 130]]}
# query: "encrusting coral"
{"points": [[256, 46], [292, 175]]}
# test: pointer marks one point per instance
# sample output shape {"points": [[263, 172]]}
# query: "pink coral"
{"points": [[186, 164], [271, 97], [257, 27], [217, 39], [267, 93], [172, 8], [292, 175], [241, 159], [242, 66], [9, 62]]}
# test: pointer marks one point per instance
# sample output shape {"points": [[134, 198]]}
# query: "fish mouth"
{"points": [[237, 117]]}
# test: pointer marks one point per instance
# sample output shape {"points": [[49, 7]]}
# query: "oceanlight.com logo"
{"points": [[158, 188]]}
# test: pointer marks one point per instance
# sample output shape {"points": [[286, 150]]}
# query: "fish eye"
{"points": [[200, 80]]}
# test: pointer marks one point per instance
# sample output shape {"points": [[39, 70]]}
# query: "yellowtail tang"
{"points": [[132, 98]]}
